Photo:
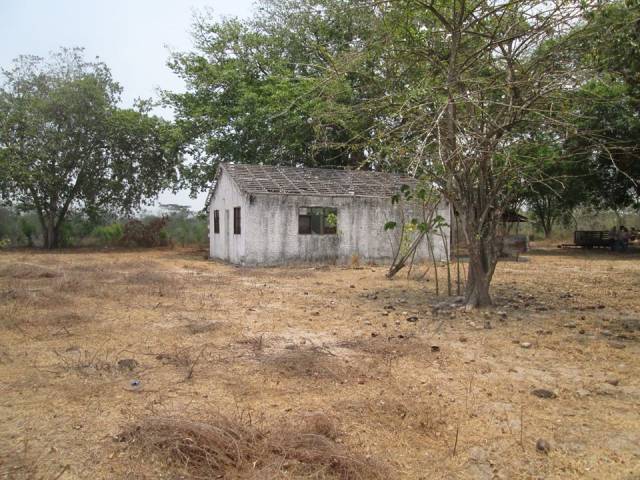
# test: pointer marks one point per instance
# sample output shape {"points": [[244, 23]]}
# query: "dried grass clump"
{"points": [[13, 294], [27, 271], [256, 343], [66, 318], [314, 361], [24, 293], [148, 277], [222, 447], [154, 283], [81, 286], [202, 327], [205, 449], [179, 357], [86, 362], [426, 417], [392, 347]]}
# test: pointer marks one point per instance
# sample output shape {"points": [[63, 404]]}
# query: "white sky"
{"points": [[133, 37]]}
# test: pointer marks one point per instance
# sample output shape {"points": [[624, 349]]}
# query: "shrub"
{"points": [[28, 228], [108, 234], [137, 233], [185, 227]]}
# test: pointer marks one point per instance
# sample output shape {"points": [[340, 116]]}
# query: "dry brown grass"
{"points": [[279, 341], [148, 277], [22, 270], [216, 446], [312, 362], [87, 362], [196, 328], [389, 346]]}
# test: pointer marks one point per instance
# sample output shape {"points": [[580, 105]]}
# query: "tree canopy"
{"points": [[260, 90], [607, 107]]}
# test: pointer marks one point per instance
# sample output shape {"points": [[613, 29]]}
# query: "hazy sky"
{"points": [[132, 37]]}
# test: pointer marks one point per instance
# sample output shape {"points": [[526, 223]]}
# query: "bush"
{"points": [[29, 229], [109, 234], [184, 226], [191, 230], [137, 233]]}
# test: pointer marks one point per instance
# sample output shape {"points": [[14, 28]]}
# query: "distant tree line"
{"points": [[173, 225]]}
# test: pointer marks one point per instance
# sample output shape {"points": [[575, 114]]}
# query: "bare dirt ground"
{"points": [[232, 363]]}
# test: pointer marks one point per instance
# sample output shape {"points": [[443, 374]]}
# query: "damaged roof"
{"points": [[269, 179]]}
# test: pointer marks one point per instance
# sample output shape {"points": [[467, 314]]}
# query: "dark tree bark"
{"points": [[481, 268], [52, 238], [483, 256]]}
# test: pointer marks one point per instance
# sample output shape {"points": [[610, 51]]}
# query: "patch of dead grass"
{"points": [[87, 362], [388, 346], [422, 414], [20, 270], [308, 362], [196, 328], [149, 277], [26, 296], [221, 447]]}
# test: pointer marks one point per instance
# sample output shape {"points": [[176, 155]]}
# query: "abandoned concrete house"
{"points": [[270, 215]]}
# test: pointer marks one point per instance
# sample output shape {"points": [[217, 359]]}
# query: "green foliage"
{"points": [[259, 90], [20, 228], [331, 220], [65, 144], [556, 180], [187, 227], [28, 228], [607, 107], [390, 225], [408, 236], [612, 43], [109, 235], [606, 142], [9, 227]]}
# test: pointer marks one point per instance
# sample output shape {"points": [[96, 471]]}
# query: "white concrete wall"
{"points": [[225, 245], [270, 229]]}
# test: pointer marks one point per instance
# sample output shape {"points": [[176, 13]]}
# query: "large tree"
{"points": [[65, 143], [560, 184], [607, 108], [261, 90], [492, 71]]}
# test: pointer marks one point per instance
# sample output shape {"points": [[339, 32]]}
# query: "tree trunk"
{"points": [[547, 223], [482, 261], [547, 228], [480, 273], [51, 233]]}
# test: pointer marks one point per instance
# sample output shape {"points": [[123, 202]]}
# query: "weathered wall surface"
{"points": [[225, 245], [270, 229]]}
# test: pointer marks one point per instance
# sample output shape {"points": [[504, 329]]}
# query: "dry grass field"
{"points": [[161, 365]]}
